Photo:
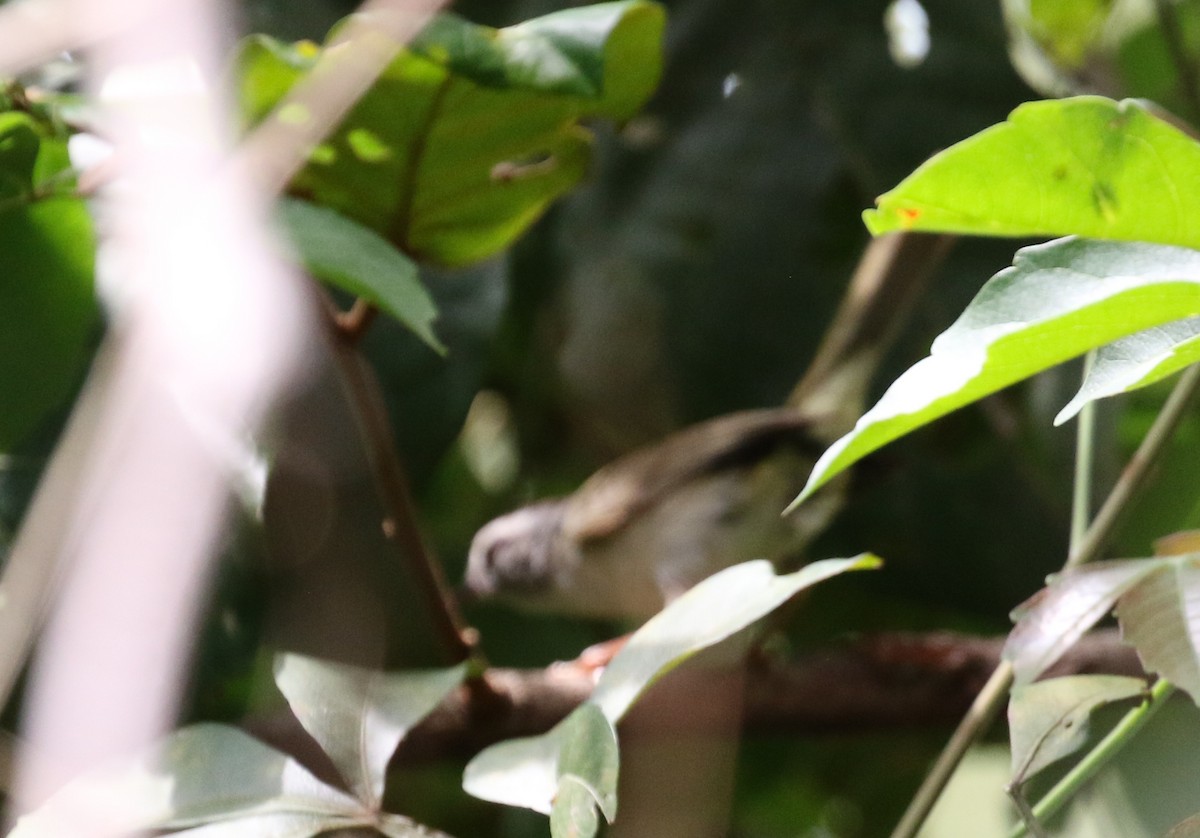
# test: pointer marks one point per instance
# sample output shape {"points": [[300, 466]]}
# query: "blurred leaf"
{"points": [[1054, 618], [200, 774], [275, 825], [524, 772], [47, 308], [1160, 617], [1057, 301], [717, 608], [398, 826], [574, 813], [460, 146], [358, 716], [349, 256], [1087, 166], [1049, 720], [1137, 361], [1189, 828], [587, 774]]}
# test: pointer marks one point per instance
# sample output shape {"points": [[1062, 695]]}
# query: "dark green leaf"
{"points": [[349, 256]]}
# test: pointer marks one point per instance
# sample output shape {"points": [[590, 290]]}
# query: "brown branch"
{"points": [[888, 681], [401, 525]]}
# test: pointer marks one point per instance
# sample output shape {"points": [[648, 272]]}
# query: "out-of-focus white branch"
{"points": [[210, 328]]}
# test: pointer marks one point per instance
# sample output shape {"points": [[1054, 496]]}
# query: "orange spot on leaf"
{"points": [[908, 215]]}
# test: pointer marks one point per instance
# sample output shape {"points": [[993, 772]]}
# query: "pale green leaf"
{"points": [[347, 255], [717, 608], [1160, 617], [1085, 166], [1052, 620], [1049, 720], [358, 716], [574, 814], [200, 774], [525, 772], [1137, 361], [1058, 300], [275, 825]]}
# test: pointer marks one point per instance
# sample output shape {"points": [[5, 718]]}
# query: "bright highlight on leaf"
{"points": [[530, 772], [1057, 301], [1086, 166]]}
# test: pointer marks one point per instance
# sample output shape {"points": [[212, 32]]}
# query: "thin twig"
{"points": [[352, 325], [990, 699], [401, 525]]}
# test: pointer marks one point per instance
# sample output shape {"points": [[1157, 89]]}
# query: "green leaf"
{"points": [[460, 146], [358, 716], [525, 772], [1049, 720], [347, 255], [200, 774], [587, 774], [1058, 300], [1160, 617], [1086, 166], [274, 825], [1137, 361], [1052, 620], [720, 606]]}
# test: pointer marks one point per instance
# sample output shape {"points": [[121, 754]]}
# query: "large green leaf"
{"points": [[349, 256], [199, 775], [48, 310], [526, 772], [358, 716], [1058, 300], [1086, 166], [1137, 361], [1049, 720], [467, 137]]}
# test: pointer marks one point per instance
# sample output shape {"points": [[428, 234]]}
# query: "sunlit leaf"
{"points": [[349, 256], [358, 716], [1049, 720], [1189, 828], [524, 772], [717, 608], [1137, 361], [1053, 619], [1160, 617], [1085, 166], [1058, 300], [467, 137], [200, 774]]}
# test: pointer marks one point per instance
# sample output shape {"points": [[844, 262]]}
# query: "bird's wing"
{"points": [[625, 488]]}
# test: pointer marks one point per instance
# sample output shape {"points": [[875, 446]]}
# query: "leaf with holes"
{"points": [[1137, 361], [1049, 720], [469, 135], [1058, 300], [1160, 617], [358, 716], [1051, 621], [1084, 166]]}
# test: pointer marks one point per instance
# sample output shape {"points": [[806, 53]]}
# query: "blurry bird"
{"points": [[651, 524]]}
